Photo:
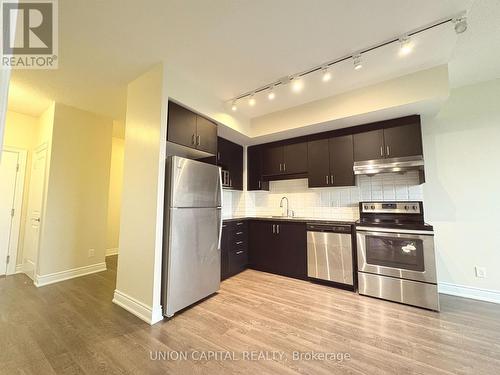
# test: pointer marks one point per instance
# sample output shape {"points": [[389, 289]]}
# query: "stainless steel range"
{"points": [[396, 259]]}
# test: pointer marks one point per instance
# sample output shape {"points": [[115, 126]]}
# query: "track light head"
{"points": [[326, 74], [460, 24], [251, 100], [405, 45], [356, 59], [297, 84], [271, 95]]}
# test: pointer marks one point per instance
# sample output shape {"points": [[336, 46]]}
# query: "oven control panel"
{"points": [[391, 207]]}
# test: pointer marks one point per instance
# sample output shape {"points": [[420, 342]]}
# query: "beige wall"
{"points": [[462, 152], [21, 131], [75, 214], [141, 229], [115, 194]]}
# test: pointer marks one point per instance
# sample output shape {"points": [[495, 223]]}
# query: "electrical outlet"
{"points": [[480, 272], [91, 253]]}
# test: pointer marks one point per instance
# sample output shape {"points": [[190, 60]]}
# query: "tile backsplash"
{"points": [[335, 203]]}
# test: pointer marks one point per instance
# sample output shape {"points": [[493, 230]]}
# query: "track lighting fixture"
{"points": [[460, 24], [251, 100], [326, 74], [356, 59], [405, 45]]}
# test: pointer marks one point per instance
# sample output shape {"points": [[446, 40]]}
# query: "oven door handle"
{"points": [[391, 231]]}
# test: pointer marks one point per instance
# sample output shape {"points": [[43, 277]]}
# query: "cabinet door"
{"points": [[403, 141], [254, 169], [263, 255], [318, 163], [292, 250], [236, 166], [181, 127], [295, 158], [206, 132], [369, 145], [341, 161], [223, 153], [272, 160]]}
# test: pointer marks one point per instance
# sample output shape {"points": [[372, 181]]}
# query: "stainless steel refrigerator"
{"points": [[192, 233]]}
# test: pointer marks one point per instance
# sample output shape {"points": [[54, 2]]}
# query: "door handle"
{"points": [[274, 228], [277, 229], [327, 179], [219, 240], [381, 150], [388, 150]]}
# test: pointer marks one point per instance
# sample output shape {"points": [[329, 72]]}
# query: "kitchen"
{"points": [[306, 187]]}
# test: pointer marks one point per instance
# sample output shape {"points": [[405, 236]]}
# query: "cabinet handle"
{"points": [[274, 228], [240, 223], [239, 242], [199, 140], [259, 184], [381, 150], [277, 229], [238, 233], [193, 139], [388, 150], [331, 179], [218, 155], [284, 167], [327, 179], [239, 252], [280, 167]]}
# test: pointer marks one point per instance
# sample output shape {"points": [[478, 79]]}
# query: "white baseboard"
{"points": [[113, 251], [19, 268], [42, 280], [142, 311], [470, 292]]}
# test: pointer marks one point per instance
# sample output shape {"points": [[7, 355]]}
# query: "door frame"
{"points": [[15, 227]]}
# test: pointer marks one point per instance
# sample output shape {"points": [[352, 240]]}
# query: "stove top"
{"points": [[394, 215]]}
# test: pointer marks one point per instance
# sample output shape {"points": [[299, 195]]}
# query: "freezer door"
{"points": [[192, 268], [193, 183]]}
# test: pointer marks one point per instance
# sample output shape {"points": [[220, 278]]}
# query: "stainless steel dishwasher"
{"points": [[330, 253]]}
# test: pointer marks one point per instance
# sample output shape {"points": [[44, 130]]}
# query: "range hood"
{"points": [[389, 165]]}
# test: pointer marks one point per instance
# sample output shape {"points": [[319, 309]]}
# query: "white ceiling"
{"points": [[232, 46]]}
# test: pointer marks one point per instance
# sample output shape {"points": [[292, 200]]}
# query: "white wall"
{"points": [[77, 191], [138, 281], [462, 193]]}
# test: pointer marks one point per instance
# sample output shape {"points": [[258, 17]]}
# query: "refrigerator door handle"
{"points": [[219, 241]]}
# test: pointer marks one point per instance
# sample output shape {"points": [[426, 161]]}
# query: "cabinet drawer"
{"points": [[238, 261]]}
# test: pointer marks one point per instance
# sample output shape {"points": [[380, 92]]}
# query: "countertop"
{"points": [[284, 218]]}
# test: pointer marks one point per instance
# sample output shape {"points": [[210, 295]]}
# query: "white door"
{"points": [[35, 205], [8, 175]]}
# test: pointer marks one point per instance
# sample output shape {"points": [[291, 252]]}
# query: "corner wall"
{"points": [[462, 201], [75, 214]]}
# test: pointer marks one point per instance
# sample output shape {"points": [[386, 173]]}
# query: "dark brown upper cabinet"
{"points": [[284, 159], [330, 162], [254, 169], [390, 142], [230, 158], [369, 145], [401, 141], [189, 129]]}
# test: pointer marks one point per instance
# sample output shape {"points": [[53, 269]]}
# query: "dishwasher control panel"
{"points": [[335, 228]]}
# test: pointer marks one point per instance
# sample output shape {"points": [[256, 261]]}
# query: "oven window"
{"points": [[395, 252]]}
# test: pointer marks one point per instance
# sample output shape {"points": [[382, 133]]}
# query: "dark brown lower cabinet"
{"points": [[234, 248], [278, 247]]}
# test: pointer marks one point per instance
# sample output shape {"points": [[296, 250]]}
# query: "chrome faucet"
{"points": [[287, 205]]}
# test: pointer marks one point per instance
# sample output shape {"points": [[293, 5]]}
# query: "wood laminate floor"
{"points": [[73, 328]]}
